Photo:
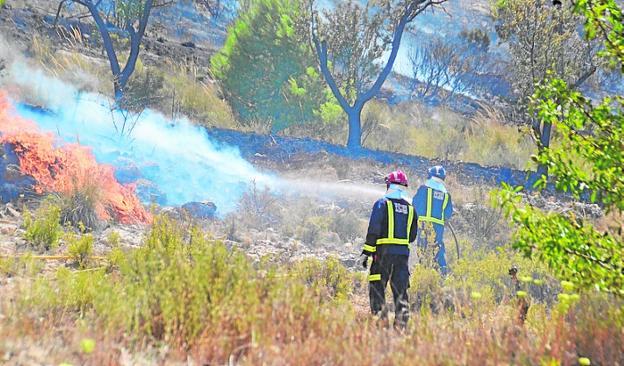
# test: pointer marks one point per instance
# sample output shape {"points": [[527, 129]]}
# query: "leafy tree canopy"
{"points": [[267, 69], [589, 163]]}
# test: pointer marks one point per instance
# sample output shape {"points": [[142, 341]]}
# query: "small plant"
{"points": [[43, 228], [87, 345], [328, 278], [347, 225], [114, 239], [80, 248], [312, 230]]}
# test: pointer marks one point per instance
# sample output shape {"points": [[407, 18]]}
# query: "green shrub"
{"points": [[487, 272], [348, 225], [165, 288], [80, 248], [24, 265], [329, 278], [113, 239], [425, 287], [181, 285], [313, 228], [43, 228]]}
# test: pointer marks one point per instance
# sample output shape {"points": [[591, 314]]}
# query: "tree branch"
{"points": [[135, 43], [413, 9], [106, 39], [321, 51], [583, 78]]}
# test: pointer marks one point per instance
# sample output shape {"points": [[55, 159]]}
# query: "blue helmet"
{"points": [[437, 171]]}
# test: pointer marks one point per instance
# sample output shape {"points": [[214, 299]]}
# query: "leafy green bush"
{"points": [[425, 287], [329, 278], [313, 229], [488, 274], [114, 239], [43, 228], [348, 225], [80, 248]]}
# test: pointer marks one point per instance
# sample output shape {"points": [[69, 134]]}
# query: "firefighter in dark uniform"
{"points": [[392, 227]]}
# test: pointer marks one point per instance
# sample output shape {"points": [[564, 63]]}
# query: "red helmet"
{"points": [[397, 177]]}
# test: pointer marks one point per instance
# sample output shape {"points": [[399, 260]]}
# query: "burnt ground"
{"points": [[20, 23], [159, 48]]}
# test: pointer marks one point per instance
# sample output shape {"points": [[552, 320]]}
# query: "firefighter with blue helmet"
{"points": [[392, 227], [434, 207]]}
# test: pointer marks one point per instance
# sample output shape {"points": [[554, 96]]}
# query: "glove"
{"points": [[364, 260]]}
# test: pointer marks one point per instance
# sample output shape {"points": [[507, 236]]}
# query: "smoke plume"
{"points": [[171, 162]]}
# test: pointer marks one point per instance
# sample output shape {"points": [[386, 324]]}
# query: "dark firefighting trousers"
{"points": [[393, 268]]}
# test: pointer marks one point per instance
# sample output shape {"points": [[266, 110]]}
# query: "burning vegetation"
{"points": [[69, 170]]}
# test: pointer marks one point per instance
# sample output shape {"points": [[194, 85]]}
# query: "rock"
{"points": [[9, 210], [188, 44], [200, 210]]}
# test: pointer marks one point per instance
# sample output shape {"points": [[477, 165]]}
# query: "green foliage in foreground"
{"points": [[605, 18], [43, 228], [266, 68], [182, 285], [184, 291], [592, 133], [80, 248]]}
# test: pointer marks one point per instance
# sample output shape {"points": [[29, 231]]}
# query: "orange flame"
{"points": [[68, 168]]}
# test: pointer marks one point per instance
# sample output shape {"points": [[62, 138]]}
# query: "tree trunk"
{"points": [[542, 169], [355, 128], [118, 89]]}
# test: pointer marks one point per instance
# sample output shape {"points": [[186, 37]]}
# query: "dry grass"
{"points": [[184, 296], [87, 73], [187, 95], [439, 133]]}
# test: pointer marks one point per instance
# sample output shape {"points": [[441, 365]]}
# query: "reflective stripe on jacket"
{"points": [[393, 224], [433, 206], [429, 216]]}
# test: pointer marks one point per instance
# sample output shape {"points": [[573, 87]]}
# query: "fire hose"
{"points": [[456, 241]]}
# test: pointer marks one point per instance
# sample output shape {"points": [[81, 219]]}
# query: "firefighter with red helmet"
{"points": [[392, 227]]}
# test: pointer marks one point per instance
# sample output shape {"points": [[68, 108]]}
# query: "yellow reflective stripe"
{"points": [[390, 219], [392, 241], [410, 220], [374, 277], [429, 202], [446, 198], [430, 219], [370, 248]]}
